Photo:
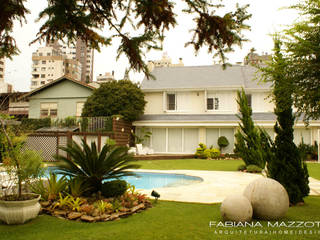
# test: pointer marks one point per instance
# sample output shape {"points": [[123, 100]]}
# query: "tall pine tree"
{"points": [[248, 140], [287, 166]]}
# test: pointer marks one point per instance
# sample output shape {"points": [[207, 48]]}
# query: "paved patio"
{"points": [[216, 185]]}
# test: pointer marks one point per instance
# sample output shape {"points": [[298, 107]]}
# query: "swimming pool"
{"points": [[148, 180]]}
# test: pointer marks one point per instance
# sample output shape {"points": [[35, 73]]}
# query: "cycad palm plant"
{"points": [[93, 167]]}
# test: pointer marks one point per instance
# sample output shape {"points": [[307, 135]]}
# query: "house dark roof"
{"points": [[63, 78], [203, 77]]}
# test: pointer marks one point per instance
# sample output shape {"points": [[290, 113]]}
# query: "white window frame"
{"points": [[50, 107], [167, 103]]}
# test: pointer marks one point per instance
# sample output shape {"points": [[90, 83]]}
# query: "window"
{"points": [[43, 82], [249, 98], [43, 69], [40, 54], [35, 62], [43, 62], [171, 101], [34, 83], [43, 75], [48, 54], [48, 110], [212, 103]]}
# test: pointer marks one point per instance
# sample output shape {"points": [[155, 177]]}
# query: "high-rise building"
{"points": [[84, 55], [107, 77], [49, 63], [165, 61], [2, 67], [4, 87]]}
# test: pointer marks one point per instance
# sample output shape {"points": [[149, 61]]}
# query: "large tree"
{"points": [[286, 166], [116, 98], [249, 143], [139, 24], [302, 44]]}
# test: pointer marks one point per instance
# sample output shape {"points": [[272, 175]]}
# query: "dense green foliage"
{"points": [[248, 144], [207, 153], [302, 46], [88, 164], [253, 169], [222, 142], [116, 98], [286, 166], [34, 124], [166, 220], [308, 151], [114, 188], [138, 25]]}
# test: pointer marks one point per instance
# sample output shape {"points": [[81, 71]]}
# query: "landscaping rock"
{"points": [[97, 218], [237, 208], [95, 213], [104, 217], [74, 215], [138, 207], [87, 218], [114, 216], [269, 199], [60, 213]]}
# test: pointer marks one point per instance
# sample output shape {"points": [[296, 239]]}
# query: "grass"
{"points": [[167, 220], [209, 165], [314, 170], [192, 164]]}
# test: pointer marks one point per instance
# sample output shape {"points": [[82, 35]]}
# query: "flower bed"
{"points": [[97, 208]]}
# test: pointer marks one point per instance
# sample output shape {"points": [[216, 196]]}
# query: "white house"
{"points": [[189, 105]]}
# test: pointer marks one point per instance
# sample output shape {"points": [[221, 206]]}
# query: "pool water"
{"points": [[148, 180]]}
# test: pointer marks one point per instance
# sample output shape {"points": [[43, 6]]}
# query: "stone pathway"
{"points": [[216, 185]]}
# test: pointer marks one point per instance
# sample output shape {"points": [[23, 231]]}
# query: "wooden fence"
{"points": [[48, 143]]}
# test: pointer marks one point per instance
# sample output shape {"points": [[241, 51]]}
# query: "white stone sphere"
{"points": [[236, 208], [269, 199]]}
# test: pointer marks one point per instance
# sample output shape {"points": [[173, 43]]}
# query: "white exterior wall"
{"points": [[194, 102], [261, 102]]}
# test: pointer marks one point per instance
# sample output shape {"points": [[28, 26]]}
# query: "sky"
{"points": [[267, 18]]}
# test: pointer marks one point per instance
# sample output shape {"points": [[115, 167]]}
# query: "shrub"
{"points": [[114, 188], [254, 169], [34, 124], [242, 167], [92, 166], [200, 150], [222, 142], [204, 152], [214, 152], [308, 151]]}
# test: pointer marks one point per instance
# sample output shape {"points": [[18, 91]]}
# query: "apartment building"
{"points": [[2, 68], [4, 87], [84, 55], [107, 77], [49, 63]]}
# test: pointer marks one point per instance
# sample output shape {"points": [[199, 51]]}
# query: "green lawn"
{"points": [[314, 170], [167, 220], [192, 164], [209, 165]]}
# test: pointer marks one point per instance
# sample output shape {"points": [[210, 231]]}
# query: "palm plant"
{"points": [[93, 167]]}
